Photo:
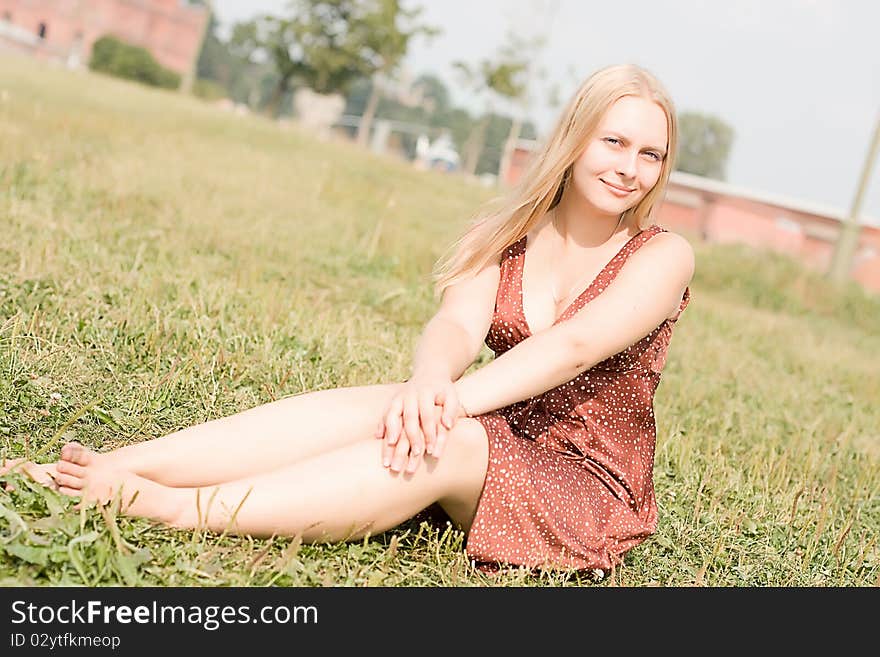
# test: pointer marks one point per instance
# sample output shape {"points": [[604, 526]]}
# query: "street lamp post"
{"points": [[848, 238]]}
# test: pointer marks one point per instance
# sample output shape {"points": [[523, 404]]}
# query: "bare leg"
{"points": [[341, 494], [41, 473], [258, 439]]}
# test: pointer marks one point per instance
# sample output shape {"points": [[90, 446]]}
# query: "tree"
{"points": [[527, 51], [704, 145], [497, 139], [505, 79], [319, 46], [213, 63], [435, 95], [387, 32], [217, 63], [190, 75]]}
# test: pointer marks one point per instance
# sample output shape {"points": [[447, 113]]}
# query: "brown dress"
{"points": [[569, 482]]}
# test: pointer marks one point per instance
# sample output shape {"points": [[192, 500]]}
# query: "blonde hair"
{"points": [[504, 221]]}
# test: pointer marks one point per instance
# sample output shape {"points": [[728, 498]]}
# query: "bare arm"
{"points": [[645, 292], [538, 363], [445, 349], [447, 346], [453, 337]]}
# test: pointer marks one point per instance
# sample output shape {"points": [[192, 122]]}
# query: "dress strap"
{"points": [[510, 265], [632, 246]]}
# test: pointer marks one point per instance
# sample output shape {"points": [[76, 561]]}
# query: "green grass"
{"points": [[164, 263]]}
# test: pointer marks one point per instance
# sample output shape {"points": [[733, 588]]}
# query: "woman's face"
{"points": [[626, 151]]}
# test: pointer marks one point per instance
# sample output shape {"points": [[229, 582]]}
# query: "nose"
{"points": [[627, 166]]}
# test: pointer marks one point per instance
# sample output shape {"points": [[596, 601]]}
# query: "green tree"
{"points": [[435, 95], [316, 46], [497, 137], [388, 30], [245, 80], [526, 51], [437, 114], [213, 61], [505, 78], [704, 145]]}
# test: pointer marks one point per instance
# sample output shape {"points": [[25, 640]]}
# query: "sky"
{"points": [[797, 80]]}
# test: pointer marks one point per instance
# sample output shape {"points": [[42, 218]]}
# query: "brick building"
{"points": [[65, 30], [717, 212]]}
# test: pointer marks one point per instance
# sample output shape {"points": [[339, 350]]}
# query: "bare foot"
{"points": [[82, 474], [42, 473], [81, 455]]}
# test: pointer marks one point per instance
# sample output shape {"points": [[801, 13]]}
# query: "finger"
{"points": [[447, 416], [438, 426], [412, 427], [392, 437], [412, 463], [401, 450], [442, 437], [380, 429], [415, 457], [396, 434], [428, 422], [450, 409], [392, 421]]}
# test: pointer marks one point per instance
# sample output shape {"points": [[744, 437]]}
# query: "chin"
{"points": [[611, 209]]}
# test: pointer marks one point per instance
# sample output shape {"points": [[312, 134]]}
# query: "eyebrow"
{"points": [[622, 137]]}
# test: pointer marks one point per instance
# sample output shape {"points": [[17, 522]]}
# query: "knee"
{"points": [[468, 441]]}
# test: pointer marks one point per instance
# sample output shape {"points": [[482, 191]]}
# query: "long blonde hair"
{"points": [[504, 221]]}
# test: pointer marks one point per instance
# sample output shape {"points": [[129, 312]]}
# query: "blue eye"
{"points": [[654, 155]]}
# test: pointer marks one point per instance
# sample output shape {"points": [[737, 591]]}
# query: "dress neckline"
{"points": [[522, 268]]}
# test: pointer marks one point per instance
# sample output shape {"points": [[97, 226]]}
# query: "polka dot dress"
{"points": [[569, 483]]}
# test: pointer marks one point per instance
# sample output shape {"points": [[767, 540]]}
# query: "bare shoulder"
{"points": [[470, 302], [662, 268], [670, 251]]}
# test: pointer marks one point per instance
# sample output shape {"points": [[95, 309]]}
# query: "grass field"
{"points": [[163, 263]]}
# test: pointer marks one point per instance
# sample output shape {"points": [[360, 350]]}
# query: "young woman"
{"points": [[543, 456]]}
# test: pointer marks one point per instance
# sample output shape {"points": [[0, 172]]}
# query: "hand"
{"points": [[416, 421]]}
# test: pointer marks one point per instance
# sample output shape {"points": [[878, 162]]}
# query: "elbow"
{"points": [[583, 355]]}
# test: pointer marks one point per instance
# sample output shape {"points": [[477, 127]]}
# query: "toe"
{"points": [[70, 492], [70, 468], [68, 481], [7, 464], [74, 452]]}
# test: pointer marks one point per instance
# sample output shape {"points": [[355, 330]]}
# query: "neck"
{"points": [[581, 227]]}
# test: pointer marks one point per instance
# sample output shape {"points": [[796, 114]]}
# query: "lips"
{"points": [[620, 189]]}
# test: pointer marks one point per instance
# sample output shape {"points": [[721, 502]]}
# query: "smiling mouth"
{"points": [[620, 189]]}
